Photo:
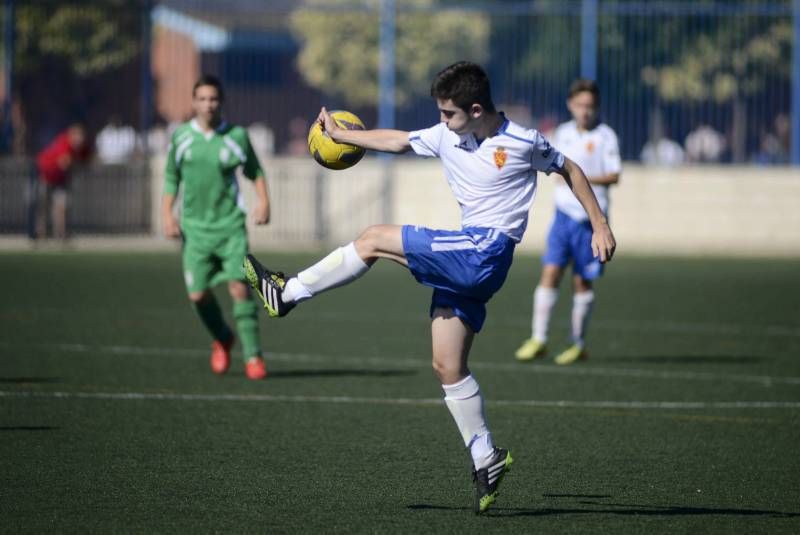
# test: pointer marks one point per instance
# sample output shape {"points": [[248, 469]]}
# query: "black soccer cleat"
{"points": [[268, 285], [488, 479]]}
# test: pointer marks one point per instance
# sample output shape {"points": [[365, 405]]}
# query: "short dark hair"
{"points": [[464, 83], [583, 84], [209, 79]]}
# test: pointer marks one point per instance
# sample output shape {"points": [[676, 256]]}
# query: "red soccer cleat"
{"points": [[255, 369], [221, 356]]}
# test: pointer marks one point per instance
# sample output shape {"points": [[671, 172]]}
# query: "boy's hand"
{"points": [[603, 243], [261, 214], [327, 123], [171, 227]]}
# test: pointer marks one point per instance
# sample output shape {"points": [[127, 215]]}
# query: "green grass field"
{"points": [[685, 419]]}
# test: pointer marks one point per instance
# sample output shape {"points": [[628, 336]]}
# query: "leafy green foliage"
{"points": [[738, 58], [340, 46], [92, 37]]}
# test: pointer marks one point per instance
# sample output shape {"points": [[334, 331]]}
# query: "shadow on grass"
{"points": [[27, 428], [28, 380], [686, 359], [594, 508], [289, 374]]}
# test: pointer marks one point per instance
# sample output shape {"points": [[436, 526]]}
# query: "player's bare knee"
{"points": [[551, 277], [367, 244], [196, 297], [442, 371], [438, 366], [447, 371], [582, 285], [237, 290]]}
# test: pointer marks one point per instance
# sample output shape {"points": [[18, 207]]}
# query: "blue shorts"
{"points": [[571, 240], [464, 267]]}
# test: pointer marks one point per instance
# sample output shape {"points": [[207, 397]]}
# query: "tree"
{"points": [[729, 65], [91, 37], [340, 46], [61, 50], [703, 53]]}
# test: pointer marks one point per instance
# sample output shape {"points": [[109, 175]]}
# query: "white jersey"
{"points": [[596, 151], [494, 182]]}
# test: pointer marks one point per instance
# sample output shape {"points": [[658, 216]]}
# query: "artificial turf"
{"points": [[110, 419]]}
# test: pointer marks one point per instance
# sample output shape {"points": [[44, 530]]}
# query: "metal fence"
{"points": [[666, 68], [103, 198], [705, 81]]}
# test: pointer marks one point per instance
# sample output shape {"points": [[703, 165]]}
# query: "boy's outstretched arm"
{"points": [[603, 242], [261, 211], [382, 140]]}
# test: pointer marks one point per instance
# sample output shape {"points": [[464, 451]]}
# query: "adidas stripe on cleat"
{"points": [[487, 479], [268, 285]]}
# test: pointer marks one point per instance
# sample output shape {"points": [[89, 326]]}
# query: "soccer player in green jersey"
{"points": [[204, 155]]}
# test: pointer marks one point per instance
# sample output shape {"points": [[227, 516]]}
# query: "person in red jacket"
{"points": [[54, 164]]}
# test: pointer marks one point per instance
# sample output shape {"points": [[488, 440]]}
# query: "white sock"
{"points": [[341, 266], [465, 402], [295, 291], [544, 299], [581, 312]]}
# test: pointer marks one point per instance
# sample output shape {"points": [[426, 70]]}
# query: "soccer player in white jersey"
{"points": [[593, 146], [490, 164]]}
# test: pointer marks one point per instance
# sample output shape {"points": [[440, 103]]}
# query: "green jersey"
{"points": [[206, 163]]}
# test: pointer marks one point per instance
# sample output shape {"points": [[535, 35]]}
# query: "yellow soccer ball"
{"points": [[334, 155]]}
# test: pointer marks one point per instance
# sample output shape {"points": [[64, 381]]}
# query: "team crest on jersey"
{"points": [[500, 157], [590, 147], [224, 154]]}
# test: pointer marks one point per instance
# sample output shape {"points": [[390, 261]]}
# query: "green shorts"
{"points": [[209, 259]]}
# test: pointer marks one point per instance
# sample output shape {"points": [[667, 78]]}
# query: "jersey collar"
{"points": [[208, 135], [503, 126], [500, 130], [574, 125]]}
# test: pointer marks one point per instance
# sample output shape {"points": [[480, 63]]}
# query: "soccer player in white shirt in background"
{"points": [[491, 166], [594, 147]]}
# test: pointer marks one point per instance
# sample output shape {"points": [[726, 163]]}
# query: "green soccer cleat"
{"points": [[268, 285], [571, 355], [530, 349], [488, 479]]}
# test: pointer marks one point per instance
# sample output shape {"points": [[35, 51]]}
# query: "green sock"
{"points": [[211, 316], [246, 315]]}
